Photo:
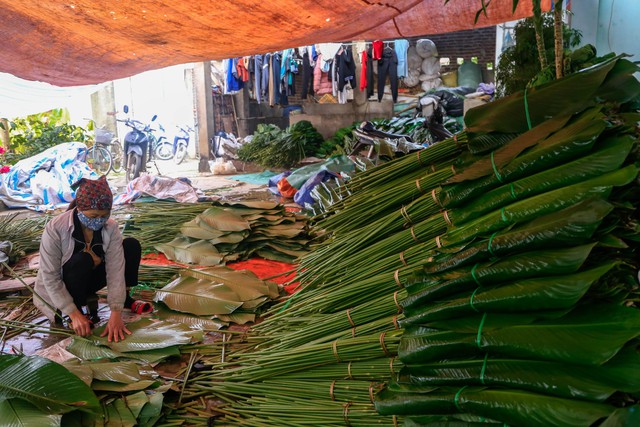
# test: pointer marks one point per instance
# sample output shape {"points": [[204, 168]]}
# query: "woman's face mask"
{"points": [[94, 224]]}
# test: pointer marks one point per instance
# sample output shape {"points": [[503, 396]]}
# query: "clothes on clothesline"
{"points": [[325, 68], [388, 66], [401, 46], [321, 82]]}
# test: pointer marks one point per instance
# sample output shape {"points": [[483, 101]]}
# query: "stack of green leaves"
{"points": [[151, 341], [211, 298], [522, 261], [529, 334], [109, 381], [231, 231]]}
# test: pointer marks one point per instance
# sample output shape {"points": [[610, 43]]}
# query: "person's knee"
{"points": [[131, 246]]}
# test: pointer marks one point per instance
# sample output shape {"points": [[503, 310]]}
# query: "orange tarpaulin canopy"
{"points": [[76, 42]]}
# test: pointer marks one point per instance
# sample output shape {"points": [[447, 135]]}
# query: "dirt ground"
{"points": [[205, 181]]}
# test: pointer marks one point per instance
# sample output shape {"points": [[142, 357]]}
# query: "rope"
{"points": [[395, 276], [495, 169], [484, 368], [384, 347], [402, 259], [526, 109], [456, 400], [395, 299], [413, 234], [353, 325], [335, 351], [479, 337], [471, 301]]}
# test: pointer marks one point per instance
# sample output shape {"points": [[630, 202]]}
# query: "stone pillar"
{"points": [[204, 111], [4, 134]]}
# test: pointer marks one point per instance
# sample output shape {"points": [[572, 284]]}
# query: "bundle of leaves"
{"points": [[306, 136], [33, 134], [339, 143], [264, 135], [274, 148]]}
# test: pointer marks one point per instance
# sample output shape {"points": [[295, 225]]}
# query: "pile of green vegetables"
{"points": [[488, 279], [275, 148]]}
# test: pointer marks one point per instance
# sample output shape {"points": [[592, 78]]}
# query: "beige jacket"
{"points": [[56, 248]]}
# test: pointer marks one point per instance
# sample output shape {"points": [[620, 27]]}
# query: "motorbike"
{"points": [[165, 150], [432, 109], [138, 145], [181, 143]]}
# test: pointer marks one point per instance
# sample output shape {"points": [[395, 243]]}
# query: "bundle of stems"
{"points": [[436, 153], [156, 222], [264, 411], [344, 390], [266, 364], [157, 275], [577, 138], [362, 268], [381, 313], [361, 208], [23, 233], [379, 369]]}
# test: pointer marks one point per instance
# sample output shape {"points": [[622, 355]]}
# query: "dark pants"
{"points": [[307, 77], [370, 72], [82, 280], [388, 65]]}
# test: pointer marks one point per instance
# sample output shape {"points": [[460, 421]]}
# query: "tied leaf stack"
{"points": [[506, 284], [229, 231]]}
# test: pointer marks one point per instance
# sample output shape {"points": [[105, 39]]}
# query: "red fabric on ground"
{"points": [[264, 268], [159, 259], [285, 189]]}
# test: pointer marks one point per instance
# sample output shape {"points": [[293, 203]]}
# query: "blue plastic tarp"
{"points": [[43, 182]]}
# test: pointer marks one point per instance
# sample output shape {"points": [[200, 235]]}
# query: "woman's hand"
{"points": [[80, 324], [115, 329]]}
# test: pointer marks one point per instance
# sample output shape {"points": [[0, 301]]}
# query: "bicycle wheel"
{"points": [[99, 160], [117, 156]]}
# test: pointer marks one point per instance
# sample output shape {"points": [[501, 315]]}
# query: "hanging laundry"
{"points": [[363, 71], [370, 72], [401, 46], [243, 72], [250, 85], [346, 69], [388, 65], [257, 66], [321, 82], [328, 51], [276, 59], [307, 73], [233, 83], [264, 84], [378, 47]]}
